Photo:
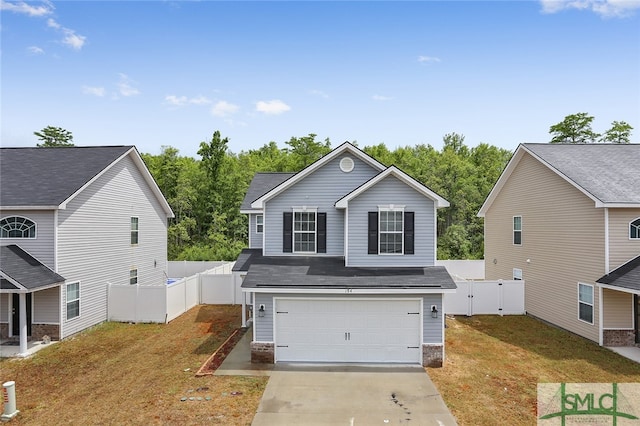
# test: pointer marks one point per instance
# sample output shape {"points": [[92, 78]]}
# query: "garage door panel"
{"points": [[343, 330]]}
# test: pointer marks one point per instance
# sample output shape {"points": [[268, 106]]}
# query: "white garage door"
{"points": [[354, 330]]}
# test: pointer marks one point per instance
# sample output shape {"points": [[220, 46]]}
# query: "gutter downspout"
{"points": [[606, 271]]}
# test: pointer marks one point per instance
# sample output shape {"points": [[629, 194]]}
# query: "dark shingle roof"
{"points": [[626, 276], [20, 266], [261, 184], [330, 272], [48, 176], [609, 172]]}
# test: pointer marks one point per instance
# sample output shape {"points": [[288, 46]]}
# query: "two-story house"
{"points": [[73, 220], [566, 220], [341, 264]]}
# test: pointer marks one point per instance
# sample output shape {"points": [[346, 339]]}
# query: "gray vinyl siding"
{"points": [[432, 328], [41, 247], [255, 239], [46, 306], [391, 191], [94, 245], [320, 189], [4, 307]]}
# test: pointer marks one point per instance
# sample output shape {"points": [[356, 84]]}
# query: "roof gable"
{"points": [[626, 276], [606, 173], [400, 175], [48, 178], [345, 147], [23, 271]]}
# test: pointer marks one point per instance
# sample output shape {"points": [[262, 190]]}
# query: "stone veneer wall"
{"points": [[262, 353], [618, 338], [432, 355], [39, 330], [4, 330]]}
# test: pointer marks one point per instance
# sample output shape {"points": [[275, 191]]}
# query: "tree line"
{"points": [[206, 193]]}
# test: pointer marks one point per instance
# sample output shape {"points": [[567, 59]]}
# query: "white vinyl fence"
{"points": [[502, 297], [163, 303]]}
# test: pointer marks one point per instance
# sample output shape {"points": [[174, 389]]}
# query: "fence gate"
{"points": [[502, 297]]}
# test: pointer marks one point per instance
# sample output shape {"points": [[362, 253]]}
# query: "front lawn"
{"points": [[493, 365], [117, 374]]}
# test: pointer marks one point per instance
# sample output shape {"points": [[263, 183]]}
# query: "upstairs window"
{"points": [[259, 224], [517, 230], [134, 231], [634, 229], [517, 274], [304, 231], [133, 276], [17, 227], [391, 231]]}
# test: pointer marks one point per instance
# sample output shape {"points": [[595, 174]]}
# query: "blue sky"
{"points": [[153, 73]]}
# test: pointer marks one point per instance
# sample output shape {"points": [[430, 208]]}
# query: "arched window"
{"points": [[634, 229], [17, 227]]}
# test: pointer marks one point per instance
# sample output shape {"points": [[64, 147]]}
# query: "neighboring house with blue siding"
{"points": [[72, 221], [341, 264]]}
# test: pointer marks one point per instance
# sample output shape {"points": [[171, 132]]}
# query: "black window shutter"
{"points": [[373, 232], [321, 227], [287, 229], [408, 233]]}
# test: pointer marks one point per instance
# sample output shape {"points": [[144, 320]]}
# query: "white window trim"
{"points": [[593, 296], [390, 208], [304, 209], [35, 228], [137, 230], [514, 230], [66, 305], [261, 216], [517, 274], [636, 226], [132, 276]]}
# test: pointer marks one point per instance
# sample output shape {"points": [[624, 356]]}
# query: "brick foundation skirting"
{"points": [[618, 338], [262, 353], [39, 330], [432, 355]]}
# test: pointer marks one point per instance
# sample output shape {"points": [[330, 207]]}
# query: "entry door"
{"points": [[15, 314]]}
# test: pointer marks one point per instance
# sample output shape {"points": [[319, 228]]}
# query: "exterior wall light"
{"points": [[434, 311], [261, 311]]}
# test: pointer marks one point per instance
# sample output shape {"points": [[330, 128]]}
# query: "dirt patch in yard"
{"points": [[211, 365], [121, 374]]}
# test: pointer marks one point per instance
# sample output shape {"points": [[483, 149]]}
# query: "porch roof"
{"points": [[21, 271], [626, 276]]}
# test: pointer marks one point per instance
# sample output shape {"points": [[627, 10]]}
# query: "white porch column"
{"points": [[23, 323]]}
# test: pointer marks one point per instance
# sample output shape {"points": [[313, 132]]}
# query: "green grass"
{"points": [[493, 365]]}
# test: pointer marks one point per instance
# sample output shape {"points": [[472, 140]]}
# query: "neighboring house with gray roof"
{"points": [[341, 264], [73, 220], [566, 219]]}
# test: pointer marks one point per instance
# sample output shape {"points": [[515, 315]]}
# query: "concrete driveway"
{"points": [[351, 395]]}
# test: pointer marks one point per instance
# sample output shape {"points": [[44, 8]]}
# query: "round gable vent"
{"points": [[346, 164]]}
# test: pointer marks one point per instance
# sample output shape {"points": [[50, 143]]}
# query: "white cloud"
{"points": [[183, 100], [73, 40], [27, 9], [380, 98], [51, 23], [273, 107], [95, 91], [125, 87], [604, 8], [422, 58], [35, 50], [224, 109], [319, 93]]}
